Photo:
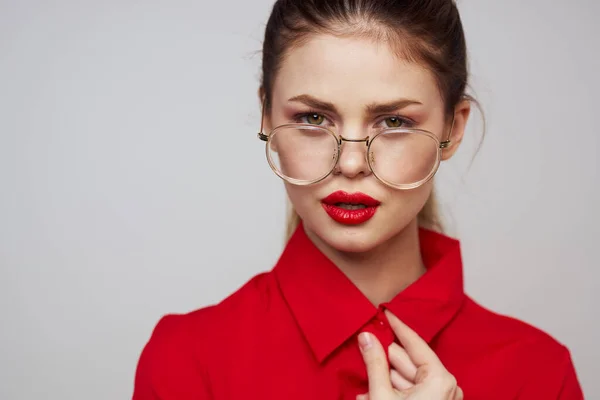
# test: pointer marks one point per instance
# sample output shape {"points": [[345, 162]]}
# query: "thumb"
{"points": [[377, 366]]}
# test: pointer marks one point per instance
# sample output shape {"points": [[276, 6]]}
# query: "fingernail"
{"points": [[365, 341]]}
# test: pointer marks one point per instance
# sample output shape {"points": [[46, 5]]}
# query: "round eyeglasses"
{"points": [[402, 158]]}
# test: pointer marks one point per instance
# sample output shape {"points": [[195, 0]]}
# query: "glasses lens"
{"points": [[403, 158], [302, 154]]}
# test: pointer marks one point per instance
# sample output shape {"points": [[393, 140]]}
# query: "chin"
{"points": [[352, 238]]}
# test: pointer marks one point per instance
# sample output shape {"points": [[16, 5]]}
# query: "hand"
{"points": [[417, 373]]}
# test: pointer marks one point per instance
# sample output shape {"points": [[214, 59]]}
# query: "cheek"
{"points": [[301, 197], [306, 201], [405, 205]]}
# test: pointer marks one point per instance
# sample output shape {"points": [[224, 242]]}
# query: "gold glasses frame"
{"points": [[367, 140]]}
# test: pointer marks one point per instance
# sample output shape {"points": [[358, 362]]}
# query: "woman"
{"points": [[362, 99]]}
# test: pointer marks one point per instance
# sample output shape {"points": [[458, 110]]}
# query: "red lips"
{"points": [[350, 208]]}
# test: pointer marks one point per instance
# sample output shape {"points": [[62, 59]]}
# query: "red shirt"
{"points": [[291, 333]]}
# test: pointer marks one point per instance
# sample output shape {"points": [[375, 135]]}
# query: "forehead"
{"points": [[352, 72]]}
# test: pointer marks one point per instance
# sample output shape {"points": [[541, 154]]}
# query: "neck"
{"points": [[383, 272]]}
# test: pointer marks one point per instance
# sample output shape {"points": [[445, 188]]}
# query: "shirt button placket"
{"points": [[385, 333]]}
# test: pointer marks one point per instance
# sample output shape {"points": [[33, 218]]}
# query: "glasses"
{"points": [[305, 154]]}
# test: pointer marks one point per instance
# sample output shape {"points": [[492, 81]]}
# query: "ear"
{"points": [[261, 94], [461, 116]]}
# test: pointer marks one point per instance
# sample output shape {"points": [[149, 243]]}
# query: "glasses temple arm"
{"points": [[446, 143], [261, 135]]}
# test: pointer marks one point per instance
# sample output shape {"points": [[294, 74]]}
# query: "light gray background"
{"points": [[132, 183]]}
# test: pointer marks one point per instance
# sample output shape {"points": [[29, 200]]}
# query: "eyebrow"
{"points": [[373, 108]]}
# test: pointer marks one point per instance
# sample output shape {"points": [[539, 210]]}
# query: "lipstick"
{"points": [[350, 208]]}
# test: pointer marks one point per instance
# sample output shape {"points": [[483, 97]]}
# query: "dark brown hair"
{"points": [[428, 32]]}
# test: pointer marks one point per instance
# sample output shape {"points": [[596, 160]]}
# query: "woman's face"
{"points": [[352, 76]]}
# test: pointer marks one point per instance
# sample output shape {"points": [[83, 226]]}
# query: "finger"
{"points": [[362, 396], [376, 363], [418, 349], [458, 394], [401, 362], [399, 382], [438, 386]]}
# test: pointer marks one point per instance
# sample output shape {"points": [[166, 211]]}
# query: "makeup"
{"points": [[350, 208]]}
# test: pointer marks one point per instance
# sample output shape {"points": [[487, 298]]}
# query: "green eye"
{"points": [[315, 119], [394, 122]]}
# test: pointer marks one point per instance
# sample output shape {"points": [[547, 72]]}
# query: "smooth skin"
{"points": [[416, 372]]}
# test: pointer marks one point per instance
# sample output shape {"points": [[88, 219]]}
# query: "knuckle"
{"points": [[450, 385], [446, 382], [422, 374], [451, 381]]}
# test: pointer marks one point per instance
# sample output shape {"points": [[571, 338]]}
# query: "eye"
{"points": [[311, 118], [396, 122]]}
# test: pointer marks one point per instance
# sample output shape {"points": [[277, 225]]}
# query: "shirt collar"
{"points": [[329, 309]]}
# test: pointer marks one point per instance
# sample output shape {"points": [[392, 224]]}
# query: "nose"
{"points": [[353, 158]]}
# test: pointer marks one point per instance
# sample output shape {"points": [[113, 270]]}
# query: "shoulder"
{"points": [[174, 361], [543, 363], [211, 323], [492, 328], [165, 366]]}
